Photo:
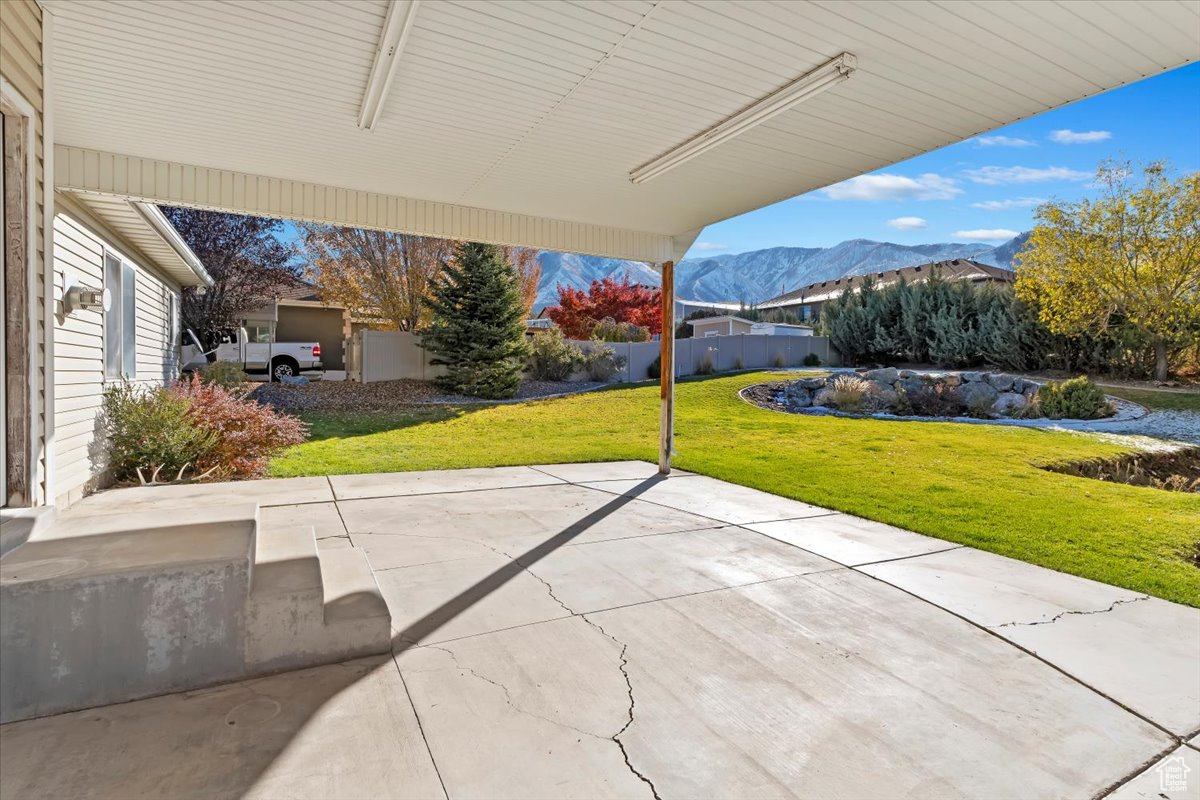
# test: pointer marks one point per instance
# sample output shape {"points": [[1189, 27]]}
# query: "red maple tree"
{"points": [[621, 300]]}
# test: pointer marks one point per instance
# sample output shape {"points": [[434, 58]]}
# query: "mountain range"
{"points": [[762, 274]]}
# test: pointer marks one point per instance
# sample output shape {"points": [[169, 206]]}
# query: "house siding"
{"points": [[21, 67], [79, 351]]}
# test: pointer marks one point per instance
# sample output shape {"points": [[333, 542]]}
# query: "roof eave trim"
{"points": [[163, 227]]}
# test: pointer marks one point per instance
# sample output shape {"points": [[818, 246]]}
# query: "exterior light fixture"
{"points": [[396, 26], [808, 85]]}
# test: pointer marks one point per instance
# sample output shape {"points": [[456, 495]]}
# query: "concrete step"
{"points": [[350, 589], [285, 560]]}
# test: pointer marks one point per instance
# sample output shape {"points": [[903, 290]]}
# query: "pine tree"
{"points": [[478, 328]]}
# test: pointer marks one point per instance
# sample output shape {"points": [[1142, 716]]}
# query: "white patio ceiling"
{"points": [[542, 109]]}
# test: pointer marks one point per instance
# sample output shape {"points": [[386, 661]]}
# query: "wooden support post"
{"points": [[666, 433]]}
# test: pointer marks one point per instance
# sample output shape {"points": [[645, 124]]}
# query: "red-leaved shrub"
{"points": [[248, 434]]}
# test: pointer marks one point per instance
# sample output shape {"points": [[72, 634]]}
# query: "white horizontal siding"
{"points": [[79, 380]]}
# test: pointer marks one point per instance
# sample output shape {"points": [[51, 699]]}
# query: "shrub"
{"points": [[223, 374], [553, 358], [151, 429], [705, 367], [738, 363], [602, 362], [246, 434], [812, 360], [931, 400], [609, 330], [1077, 398], [849, 393], [654, 368], [778, 361]]}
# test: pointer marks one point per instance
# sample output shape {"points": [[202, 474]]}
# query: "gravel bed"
{"points": [[388, 395]]}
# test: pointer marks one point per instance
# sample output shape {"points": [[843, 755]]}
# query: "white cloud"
{"points": [[907, 223], [929, 186], [986, 234], [995, 176], [1003, 141], [1079, 137], [708, 247], [1004, 205]]}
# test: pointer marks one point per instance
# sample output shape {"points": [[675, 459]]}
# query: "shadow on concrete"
{"points": [[447, 611], [253, 738]]}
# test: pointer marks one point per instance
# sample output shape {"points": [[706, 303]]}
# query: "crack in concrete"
{"points": [[616, 737], [1062, 614], [508, 698]]}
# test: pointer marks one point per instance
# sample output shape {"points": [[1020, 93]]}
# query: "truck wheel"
{"points": [[284, 367]]}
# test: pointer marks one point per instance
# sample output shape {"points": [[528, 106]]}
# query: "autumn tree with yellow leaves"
{"points": [[385, 276], [1129, 257]]}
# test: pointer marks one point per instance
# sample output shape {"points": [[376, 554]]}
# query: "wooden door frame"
{"points": [[20, 321]]}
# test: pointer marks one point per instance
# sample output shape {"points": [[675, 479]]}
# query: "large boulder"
{"points": [[798, 396], [886, 375], [971, 377], [977, 396], [912, 383], [1000, 381], [812, 384], [1010, 403], [882, 398], [821, 397]]}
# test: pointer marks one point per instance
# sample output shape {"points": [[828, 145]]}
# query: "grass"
{"points": [[1157, 400], [977, 485]]}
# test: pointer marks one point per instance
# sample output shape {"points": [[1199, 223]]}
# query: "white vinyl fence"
{"points": [[392, 355]]}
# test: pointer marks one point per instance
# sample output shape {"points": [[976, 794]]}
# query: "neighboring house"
{"points": [[685, 307], [806, 301], [780, 329], [720, 326], [299, 315], [127, 330]]}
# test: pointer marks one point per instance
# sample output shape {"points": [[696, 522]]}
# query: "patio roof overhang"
{"points": [[522, 122]]}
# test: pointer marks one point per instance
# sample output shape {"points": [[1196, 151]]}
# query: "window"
{"points": [[260, 334], [120, 318]]}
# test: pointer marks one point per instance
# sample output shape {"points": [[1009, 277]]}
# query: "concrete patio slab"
{"points": [[342, 731], [394, 484], [526, 713], [270, 492], [322, 517], [645, 645], [712, 498], [992, 590], [1175, 776], [1139, 650], [849, 540], [792, 688], [515, 520], [605, 471], [602, 575], [452, 599]]}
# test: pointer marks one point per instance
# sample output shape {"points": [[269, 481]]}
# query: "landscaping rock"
{"points": [[882, 398], [1009, 403], [971, 377], [887, 375], [822, 396], [1019, 385], [951, 380], [812, 383], [905, 373], [801, 399], [976, 395], [1000, 381]]}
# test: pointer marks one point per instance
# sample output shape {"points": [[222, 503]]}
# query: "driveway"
{"points": [[591, 630]]}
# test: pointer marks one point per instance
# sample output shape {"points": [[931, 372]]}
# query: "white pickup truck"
{"points": [[278, 360]]}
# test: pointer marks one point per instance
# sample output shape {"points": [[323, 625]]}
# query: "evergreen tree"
{"points": [[478, 327]]}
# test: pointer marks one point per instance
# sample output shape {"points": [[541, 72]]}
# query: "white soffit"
{"points": [[136, 230], [543, 109]]}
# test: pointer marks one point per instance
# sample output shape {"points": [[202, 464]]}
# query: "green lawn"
{"points": [[975, 484], [1157, 400]]}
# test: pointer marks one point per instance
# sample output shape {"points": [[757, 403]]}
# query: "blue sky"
{"points": [[982, 189]]}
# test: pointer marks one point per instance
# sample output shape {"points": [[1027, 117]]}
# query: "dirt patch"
{"points": [[1176, 471], [388, 395]]}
